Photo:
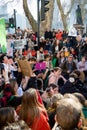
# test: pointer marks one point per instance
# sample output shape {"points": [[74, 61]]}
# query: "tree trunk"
{"points": [[64, 16], [48, 18], [29, 16]]}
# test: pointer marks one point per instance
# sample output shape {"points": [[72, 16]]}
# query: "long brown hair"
{"points": [[6, 116], [30, 106], [13, 83]]}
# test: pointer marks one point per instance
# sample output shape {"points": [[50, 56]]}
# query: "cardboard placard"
{"points": [[25, 67]]}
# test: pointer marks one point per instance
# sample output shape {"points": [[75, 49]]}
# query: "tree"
{"points": [[44, 24], [5, 2], [29, 16], [48, 19], [63, 15]]}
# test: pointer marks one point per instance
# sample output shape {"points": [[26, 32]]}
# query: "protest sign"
{"points": [[25, 67]]}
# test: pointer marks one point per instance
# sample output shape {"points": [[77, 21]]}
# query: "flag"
{"points": [[3, 35]]}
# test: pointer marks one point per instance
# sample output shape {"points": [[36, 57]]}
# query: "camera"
{"points": [[63, 48]]}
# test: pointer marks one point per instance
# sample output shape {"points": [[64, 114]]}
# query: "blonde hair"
{"points": [[20, 125], [68, 113]]}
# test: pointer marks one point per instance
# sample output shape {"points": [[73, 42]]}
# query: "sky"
{"points": [[18, 6]]}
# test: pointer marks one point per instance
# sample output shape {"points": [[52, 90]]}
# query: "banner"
{"points": [[3, 35], [10, 47]]}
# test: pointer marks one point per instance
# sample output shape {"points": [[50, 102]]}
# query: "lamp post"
{"points": [[38, 23], [15, 19]]}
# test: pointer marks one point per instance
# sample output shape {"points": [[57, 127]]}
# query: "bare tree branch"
{"points": [[46, 24], [64, 16], [6, 2], [72, 3], [29, 16]]}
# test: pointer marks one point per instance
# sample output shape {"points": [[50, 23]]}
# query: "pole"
{"points": [[15, 19], [86, 29], [38, 23]]}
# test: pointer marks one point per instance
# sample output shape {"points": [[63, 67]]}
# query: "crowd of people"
{"points": [[54, 96]]}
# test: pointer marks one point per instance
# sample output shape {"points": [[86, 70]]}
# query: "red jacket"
{"points": [[40, 123], [59, 35], [6, 95]]}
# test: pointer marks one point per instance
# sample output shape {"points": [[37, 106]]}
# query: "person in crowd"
{"points": [[8, 99], [48, 93], [48, 34], [52, 109], [29, 55], [23, 85], [56, 47], [84, 47], [80, 75], [48, 61], [8, 63], [65, 34], [59, 35], [66, 52], [70, 85], [65, 42], [2, 84], [14, 86], [73, 52], [68, 114], [30, 44], [42, 42], [53, 34], [83, 102], [82, 66], [7, 115], [79, 46], [74, 84], [61, 58], [71, 96], [68, 66], [40, 54], [48, 46], [19, 125], [32, 112], [55, 57], [55, 75], [19, 33]]}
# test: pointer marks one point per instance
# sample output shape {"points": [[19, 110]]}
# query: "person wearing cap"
{"points": [[68, 66]]}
